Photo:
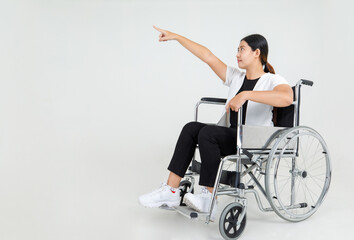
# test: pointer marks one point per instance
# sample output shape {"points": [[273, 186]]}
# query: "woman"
{"points": [[258, 90]]}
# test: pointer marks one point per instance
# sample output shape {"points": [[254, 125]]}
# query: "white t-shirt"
{"points": [[258, 114]]}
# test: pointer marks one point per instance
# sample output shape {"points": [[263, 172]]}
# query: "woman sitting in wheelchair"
{"points": [[257, 89]]}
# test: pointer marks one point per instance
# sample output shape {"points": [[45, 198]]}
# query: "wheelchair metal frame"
{"points": [[256, 157]]}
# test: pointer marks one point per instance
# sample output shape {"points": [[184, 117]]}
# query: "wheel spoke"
{"points": [[301, 148], [237, 214], [229, 219], [316, 168], [284, 179], [314, 154], [315, 162], [229, 227], [310, 146], [316, 177], [303, 158], [309, 192], [284, 161], [318, 185], [284, 186], [232, 214]]}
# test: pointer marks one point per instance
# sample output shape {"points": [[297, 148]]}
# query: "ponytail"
{"points": [[269, 68]]}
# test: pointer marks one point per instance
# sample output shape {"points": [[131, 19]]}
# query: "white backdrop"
{"points": [[92, 105]]}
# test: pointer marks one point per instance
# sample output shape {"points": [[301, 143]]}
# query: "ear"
{"points": [[257, 53]]}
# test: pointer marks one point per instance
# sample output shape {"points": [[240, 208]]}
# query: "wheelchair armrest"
{"points": [[208, 100], [213, 100]]}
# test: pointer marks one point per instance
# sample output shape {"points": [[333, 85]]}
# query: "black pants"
{"points": [[213, 141]]}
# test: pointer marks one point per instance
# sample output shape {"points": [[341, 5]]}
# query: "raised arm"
{"points": [[198, 50]]}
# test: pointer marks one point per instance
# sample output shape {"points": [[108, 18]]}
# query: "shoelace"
{"points": [[162, 188], [204, 190]]}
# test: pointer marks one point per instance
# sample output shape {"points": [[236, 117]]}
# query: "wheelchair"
{"points": [[292, 161]]}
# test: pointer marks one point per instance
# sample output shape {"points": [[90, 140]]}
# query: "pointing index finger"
{"points": [[158, 29]]}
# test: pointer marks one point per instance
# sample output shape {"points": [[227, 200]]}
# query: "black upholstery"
{"points": [[284, 116], [217, 100]]}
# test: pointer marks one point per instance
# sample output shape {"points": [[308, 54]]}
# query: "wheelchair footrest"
{"points": [[191, 213]]}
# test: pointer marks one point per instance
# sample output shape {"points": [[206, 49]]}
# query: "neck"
{"points": [[255, 72]]}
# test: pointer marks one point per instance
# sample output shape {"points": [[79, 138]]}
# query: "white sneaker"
{"points": [[163, 196], [201, 202]]}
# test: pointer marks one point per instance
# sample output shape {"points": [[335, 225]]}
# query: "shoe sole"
{"points": [[160, 204]]}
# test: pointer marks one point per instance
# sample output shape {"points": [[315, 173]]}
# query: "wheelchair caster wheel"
{"points": [[185, 187], [228, 221]]}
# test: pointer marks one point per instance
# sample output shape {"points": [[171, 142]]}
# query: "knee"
{"points": [[206, 133], [190, 127]]}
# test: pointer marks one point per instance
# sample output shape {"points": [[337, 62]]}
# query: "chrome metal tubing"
{"points": [[268, 209], [292, 197], [258, 200], [243, 202], [215, 190], [239, 133], [203, 102], [227, 192], [296, 104], [244, 173], [238, 147]]}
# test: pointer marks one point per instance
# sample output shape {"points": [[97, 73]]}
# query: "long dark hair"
{"points": [[257, 41]]}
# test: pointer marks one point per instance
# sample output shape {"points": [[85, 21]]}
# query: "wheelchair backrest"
{"points": [[285, 116]]}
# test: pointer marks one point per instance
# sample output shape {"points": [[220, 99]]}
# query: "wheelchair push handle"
{"points": [[306, 82]]}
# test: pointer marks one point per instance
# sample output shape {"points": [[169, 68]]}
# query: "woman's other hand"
{"points": [[165, 35], [237, 102]]}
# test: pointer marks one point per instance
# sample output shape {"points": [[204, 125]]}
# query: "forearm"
{"points": [[273, 98], [198, 50]]}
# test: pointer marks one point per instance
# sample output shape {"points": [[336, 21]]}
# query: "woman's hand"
{"points": [[165, 35], [237, 101]]}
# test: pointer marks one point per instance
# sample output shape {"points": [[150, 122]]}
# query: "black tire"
{"points": [[228, 221], [184, 187]]}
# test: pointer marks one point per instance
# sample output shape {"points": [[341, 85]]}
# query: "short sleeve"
{"points": [[231, 74], [277, 80]]}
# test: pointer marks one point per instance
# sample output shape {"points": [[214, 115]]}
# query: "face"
{"points": [[245, 56]]}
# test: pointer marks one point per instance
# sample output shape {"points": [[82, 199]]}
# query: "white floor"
{"points": [[102, 204], [335, 217]]}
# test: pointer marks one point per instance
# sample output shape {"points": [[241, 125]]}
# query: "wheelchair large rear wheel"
{"points": [[298, 173]]}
